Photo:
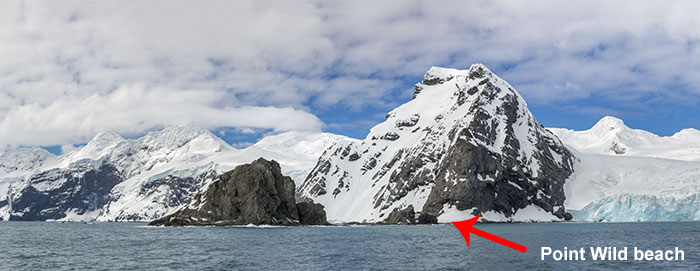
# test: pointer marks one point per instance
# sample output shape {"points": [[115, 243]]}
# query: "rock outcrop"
{"points": [[311, 213], [255, 193], [409, 216]]}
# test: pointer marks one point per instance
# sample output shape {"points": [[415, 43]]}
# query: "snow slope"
{"points": [[297, 152]]}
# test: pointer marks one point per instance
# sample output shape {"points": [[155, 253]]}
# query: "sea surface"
{"points": [[135, 246]]}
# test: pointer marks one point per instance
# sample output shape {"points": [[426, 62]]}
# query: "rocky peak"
{"points": [[439, 75], [467, 141]]}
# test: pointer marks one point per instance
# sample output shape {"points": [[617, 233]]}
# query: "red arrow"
{"points": [[467, 226]]}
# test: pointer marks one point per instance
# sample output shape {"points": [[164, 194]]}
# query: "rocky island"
{"points": [[255, 193]]}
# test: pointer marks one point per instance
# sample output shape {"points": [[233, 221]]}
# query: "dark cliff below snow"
{"points": [[255, 193]]}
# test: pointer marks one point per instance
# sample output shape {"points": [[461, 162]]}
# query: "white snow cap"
{"points": [[440, 74], [609, 123]]}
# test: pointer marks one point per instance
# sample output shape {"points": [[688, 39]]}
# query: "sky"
{"points": [[244, 69]]}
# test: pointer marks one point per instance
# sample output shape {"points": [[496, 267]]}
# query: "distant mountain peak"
{"points": [[612, 137], [177, 136], [108, 135], [187, 130], [105, 139], [688, 132], [609, 123]]}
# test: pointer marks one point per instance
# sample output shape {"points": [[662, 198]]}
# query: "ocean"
{"points": [[135, 246]]}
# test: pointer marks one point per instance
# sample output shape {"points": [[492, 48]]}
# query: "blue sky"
{"points": [[245, 69], [647, 112]]}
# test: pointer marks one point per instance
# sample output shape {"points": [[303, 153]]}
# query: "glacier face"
{"points": [[116, 179], [637, 208], [465, 144]]}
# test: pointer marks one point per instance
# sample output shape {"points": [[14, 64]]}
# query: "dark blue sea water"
{"points": [[131, 246]]}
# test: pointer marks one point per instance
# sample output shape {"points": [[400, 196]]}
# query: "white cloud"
{"points": [[133, 109], [67, 148], [69, 68]]}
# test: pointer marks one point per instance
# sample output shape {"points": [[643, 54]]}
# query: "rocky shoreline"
{"points": [[258, 194]]}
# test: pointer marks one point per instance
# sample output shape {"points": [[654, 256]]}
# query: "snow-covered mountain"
{"points": [[465, 144], [611, 136], [112, 178], [15, 166], [625, 174]]}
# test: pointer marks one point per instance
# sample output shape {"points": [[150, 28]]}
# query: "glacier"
{"points": [[641, 208], [630, 175]]}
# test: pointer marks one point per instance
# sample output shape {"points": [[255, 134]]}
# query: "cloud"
{"points": [[67, 148], [541, 48], [132, 110], [67, 69]]}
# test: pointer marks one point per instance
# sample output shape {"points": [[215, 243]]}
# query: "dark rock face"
{"points": [[617, 148], [426, 218], [180, 187], [311, 213], [405, 216], [179, 191], [255, 193], [512, 186], [409, 216], [79, 189]]}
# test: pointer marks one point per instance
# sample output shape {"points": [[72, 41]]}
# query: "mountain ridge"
{"points": [[611, 136], [148, 177]]}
